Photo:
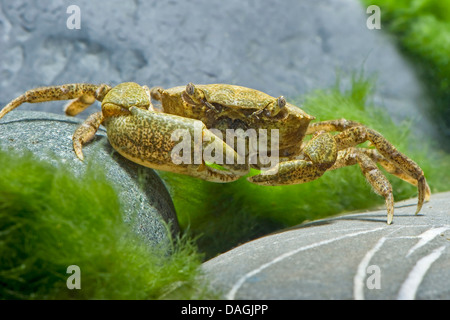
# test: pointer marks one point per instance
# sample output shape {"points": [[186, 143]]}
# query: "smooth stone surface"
{"points": [[143, 196], [345, 257], [289, 48]]}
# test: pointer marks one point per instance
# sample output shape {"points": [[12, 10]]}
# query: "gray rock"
{"points": [[143, 196], [288, 48], [355, 256]]}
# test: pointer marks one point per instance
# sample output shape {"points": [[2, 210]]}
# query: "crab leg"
{"points": [[373, 174], [300, 171], [84, 94], [353, 133], [319, 154], [342, 125], [88, 96], [331, 125], [346, 158], [359, 134], [86, 132], [289, 172]]}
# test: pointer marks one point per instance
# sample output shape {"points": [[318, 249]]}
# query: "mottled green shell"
{"points": [[235, 96]]}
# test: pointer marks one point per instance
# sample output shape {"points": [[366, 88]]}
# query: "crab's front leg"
{"points": [[86, 132]]}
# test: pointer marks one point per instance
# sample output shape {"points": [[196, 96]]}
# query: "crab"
{"points": [[144, 133]]}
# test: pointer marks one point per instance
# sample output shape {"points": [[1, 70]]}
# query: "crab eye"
{"points": [[281, 102], [190, 89]]}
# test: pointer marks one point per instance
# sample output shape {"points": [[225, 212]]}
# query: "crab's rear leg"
{"points": [[353, 133], [346, 158], [331, 125], [359, 134], [84, 94], [319, 155], [373, 174]]}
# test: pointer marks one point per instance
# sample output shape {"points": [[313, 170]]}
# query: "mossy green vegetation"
{"points": [[422, 29], [50, 220], [225, 215]]}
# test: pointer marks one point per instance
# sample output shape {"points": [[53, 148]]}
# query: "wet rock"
{"points": [[356, 256], [145, 201]]}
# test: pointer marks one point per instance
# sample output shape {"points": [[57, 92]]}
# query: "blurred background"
{"points": [[321, 55], [289, 49]]}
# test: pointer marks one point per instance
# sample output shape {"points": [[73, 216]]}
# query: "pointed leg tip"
{"points": [[424, 193], [419, 207], [390, 208], [427, 193], [79, 154]]}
